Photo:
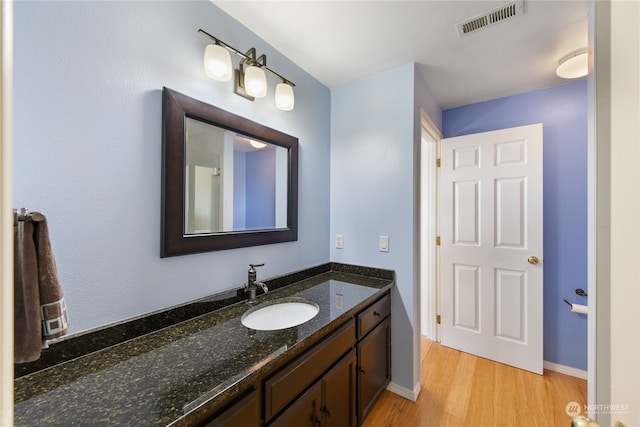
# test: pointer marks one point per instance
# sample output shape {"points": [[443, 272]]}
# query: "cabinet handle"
{"points": [[327, 411], [361, 369], [375, 313], [318, 421]]}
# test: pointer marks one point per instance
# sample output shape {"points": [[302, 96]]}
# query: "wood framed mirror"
{"points": [[227, 182]]}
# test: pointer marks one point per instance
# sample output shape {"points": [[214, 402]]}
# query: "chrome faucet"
{"points": [[252, 283]]}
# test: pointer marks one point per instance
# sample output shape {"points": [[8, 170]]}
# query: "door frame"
{"points": [[429, 289], [6, 215]]}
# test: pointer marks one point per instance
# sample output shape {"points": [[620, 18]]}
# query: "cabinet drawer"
{"points": [[285, 385], [373, 315], [245, 412]]}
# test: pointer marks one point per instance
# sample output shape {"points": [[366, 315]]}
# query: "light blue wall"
{"points": [[87, 149], [254, 189], [563, 112], [373, 179], [261, 191]]}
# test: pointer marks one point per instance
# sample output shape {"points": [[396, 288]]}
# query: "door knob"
{"points": [[532, 260]]}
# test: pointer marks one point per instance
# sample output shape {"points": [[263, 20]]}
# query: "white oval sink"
{"points": [[280, 315]]}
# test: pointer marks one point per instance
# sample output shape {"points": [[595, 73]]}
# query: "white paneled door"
{"points": [[491, 245]]}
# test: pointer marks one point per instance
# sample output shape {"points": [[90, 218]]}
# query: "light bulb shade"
{"points": [[217, 63], [574, 65], [257, 144], [255, 82], [284, 97]]}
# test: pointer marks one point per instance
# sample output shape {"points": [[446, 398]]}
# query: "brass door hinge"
{"points": [[438, 319], [438, 241], [438, 162]]}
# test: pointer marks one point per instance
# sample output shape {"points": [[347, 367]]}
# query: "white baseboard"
{"points": [[412, 395], [567, 370]]}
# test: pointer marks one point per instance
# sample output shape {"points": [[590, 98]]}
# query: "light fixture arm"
{"points": [[249, 57]]}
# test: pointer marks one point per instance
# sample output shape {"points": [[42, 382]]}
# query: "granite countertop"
{"points": [[167, 376]]}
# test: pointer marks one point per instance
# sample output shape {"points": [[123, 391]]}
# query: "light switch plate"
{"points": [[383, 244], [339, 241]]}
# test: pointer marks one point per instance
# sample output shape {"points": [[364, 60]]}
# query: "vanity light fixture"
{"points": [[250, 78], [574, 65], [217, 63], [255, 81], [284, 96]]}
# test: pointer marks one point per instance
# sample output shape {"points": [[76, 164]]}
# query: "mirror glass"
{"points": [[232, 182], [228, 182]]}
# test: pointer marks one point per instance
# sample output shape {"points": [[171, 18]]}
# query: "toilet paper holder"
{"points": [[578, 308], [580, 292]]}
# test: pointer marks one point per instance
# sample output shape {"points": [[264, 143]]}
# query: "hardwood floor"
{"points": [[459, 389]]}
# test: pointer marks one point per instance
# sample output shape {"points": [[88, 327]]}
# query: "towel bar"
{"points": [[21, 215]]}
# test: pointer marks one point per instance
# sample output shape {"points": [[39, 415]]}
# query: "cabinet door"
{"points": [[245, 412], [284, 386], [339, 393], [304, 412], [374, 367]]}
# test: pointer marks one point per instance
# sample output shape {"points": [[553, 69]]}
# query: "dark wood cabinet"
{"points": [[245, 413], [330, 402], [371, 316], [339, 393], [284, 386], [374, 367], [304, 412]]}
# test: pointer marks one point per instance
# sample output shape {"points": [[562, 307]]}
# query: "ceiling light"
{"points": [[250, 77], [256, 144], [574, 65]]}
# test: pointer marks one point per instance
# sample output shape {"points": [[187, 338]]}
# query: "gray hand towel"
{"points": [[40, 312]]}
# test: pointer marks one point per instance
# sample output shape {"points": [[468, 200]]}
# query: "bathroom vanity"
{"points": [[212, 370]]}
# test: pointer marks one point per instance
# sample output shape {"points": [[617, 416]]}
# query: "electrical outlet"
{"points": [[383, 244], [339, 241], [339, 301]]}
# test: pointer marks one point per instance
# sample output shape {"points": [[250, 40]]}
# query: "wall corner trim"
{"points": [[412, 395]]}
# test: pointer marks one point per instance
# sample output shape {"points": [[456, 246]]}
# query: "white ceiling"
{"points": [[341, 41]]}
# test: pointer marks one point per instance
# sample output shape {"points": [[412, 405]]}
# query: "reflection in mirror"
{"points": [[232, 182], [227, 182]]}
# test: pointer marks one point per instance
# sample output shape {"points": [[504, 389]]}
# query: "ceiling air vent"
{"points": [[491, 17]]}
